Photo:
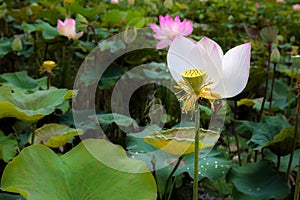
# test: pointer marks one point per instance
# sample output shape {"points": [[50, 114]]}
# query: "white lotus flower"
{"points": [[203, 71]]}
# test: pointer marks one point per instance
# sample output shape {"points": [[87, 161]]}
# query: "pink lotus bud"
{"points": [[68, 29], [296, 7], [114, 1]]}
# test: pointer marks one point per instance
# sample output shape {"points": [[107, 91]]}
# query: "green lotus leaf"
{"points": [[258, 180], [48, 31], [54, 135], [121, 120], [263, 131], [284, 160], [5, 46], [180, 141], [87, 12], [282, 143], [31, 107], [246, 102], [94, 169], [21, 81], [8, 147], [269, 34], [213, 166]]}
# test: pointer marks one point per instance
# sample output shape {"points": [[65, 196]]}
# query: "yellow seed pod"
{"points": [[195, 78]]}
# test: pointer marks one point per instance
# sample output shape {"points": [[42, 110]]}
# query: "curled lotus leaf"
{"points": [[282, 143], [31, 107], [180, 141], [55, 135]]}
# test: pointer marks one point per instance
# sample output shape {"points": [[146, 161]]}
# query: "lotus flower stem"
{"points": [[46, 51], [196, 152], [153, 162], [33, 130], [63, 67], [272, 88], [235, 134], [297, 187], [167, 196], [291, 90], [278, 163], [48, 81], [296, 127], [269, 47]]}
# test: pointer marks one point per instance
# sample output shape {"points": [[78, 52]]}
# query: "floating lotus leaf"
{"points": [[31, 107], [54, 135], [81, 174], [180, 141], [8, 147]]}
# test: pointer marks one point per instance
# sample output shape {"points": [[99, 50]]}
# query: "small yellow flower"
{"points": [[47, 66], [69, 1]]}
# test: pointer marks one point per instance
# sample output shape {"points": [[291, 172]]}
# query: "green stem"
{"points": [[196, 151], [45, 52], [272, 88], [94, 32], [48, 81], [68, 77], [32, 134], [269, 45], [153, 162], [278, 163], [63, 66], [291, 90], [296, 129], [297, 187], [165, 195], [235, 133]]}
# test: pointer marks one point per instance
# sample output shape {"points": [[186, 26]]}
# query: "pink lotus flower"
{"points": [[68, 29], [169, 29], [114, 1], [222, 76], [279, 1], [296, 7]]}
